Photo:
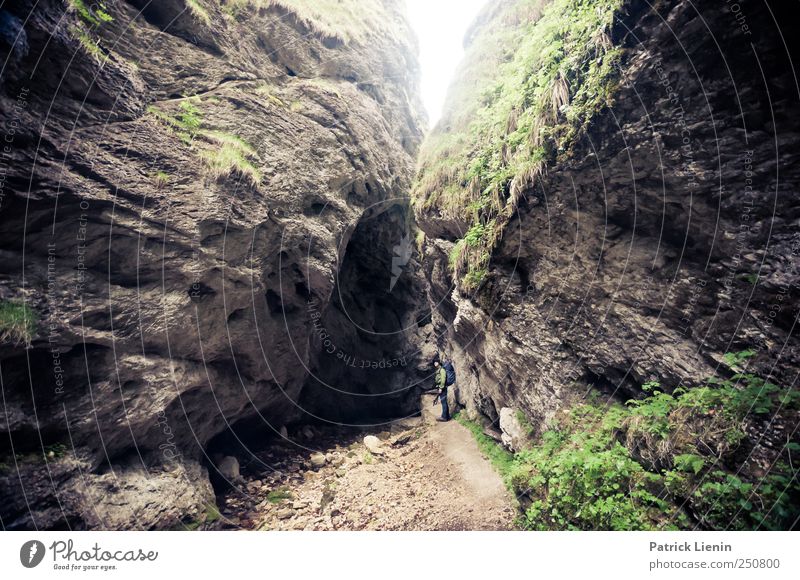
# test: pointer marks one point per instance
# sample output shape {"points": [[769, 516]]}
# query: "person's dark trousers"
{"points": [[445, 408]]}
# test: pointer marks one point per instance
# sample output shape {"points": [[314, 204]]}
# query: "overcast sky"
{"points": [[440, 26]]}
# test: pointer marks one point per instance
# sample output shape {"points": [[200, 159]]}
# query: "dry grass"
{"points": [[689, 433], [199, 11], [343, 20], [233, 156]]}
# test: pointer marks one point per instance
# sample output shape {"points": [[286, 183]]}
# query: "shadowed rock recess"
{"points": [[182, 185], [218, 219]]}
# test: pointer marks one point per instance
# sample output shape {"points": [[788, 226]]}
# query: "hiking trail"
{"points": [[419, 475]]}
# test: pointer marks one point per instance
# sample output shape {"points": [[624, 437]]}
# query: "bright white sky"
{"points": [[440, 26]]}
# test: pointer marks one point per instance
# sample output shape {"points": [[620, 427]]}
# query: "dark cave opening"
{"points": [[364, 351], [364, 363]]}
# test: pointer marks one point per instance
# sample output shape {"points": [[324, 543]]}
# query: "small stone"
{"points": [[284, 433], [373, 444], [318, 460], [229, 468], [341, 472], [285, 513], [308, 432]]}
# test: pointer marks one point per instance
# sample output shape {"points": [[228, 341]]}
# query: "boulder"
{"points": [[514, 434], [493, 433], [318, 460]]}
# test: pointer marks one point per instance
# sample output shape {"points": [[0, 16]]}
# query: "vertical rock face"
{"points": [[180, 182], [638, 237]]}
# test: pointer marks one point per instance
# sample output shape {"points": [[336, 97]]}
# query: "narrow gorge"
{"points": [[230, 250]]}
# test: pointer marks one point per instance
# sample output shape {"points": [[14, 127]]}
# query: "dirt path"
{"points": [[424, 476]]}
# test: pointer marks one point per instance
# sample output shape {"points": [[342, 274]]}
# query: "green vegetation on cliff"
{"points": [[223, 154], [667, 461], [343, 20], [580, 477], [94, 16], [540, 71], [89, 21]]}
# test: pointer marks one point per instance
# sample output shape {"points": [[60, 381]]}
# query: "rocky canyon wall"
{"points": [[640, 218], [181, 181]]}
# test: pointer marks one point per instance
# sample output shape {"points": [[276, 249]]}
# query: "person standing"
{"points": [[445, 376]]}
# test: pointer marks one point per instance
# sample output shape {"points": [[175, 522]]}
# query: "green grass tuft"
{"points": [[17, 323], [161, 179], [91, 46], [232, 160], [228, 154], [199, 11], [95, 17], [279, 495], [185, 123]]}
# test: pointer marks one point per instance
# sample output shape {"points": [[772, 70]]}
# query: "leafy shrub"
{"points": [[190, 118], [725, 501], [581, 478], [713, 413], [689, 463]]}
